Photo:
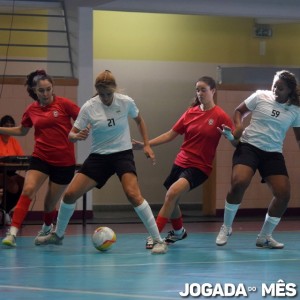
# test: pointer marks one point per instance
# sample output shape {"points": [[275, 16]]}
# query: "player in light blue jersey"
{"points": [[106, 116], [260, 148]]}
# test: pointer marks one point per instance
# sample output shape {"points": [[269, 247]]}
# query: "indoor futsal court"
{"points": [[76, 270]]}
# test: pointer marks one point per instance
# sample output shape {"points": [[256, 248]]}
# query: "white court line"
{"points": [[151, 264], [63, 291]]}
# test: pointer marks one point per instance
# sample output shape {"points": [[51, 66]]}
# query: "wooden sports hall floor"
{"points": [[128, 271]]}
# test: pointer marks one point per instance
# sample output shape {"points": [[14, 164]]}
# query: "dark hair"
{"points": [[210, 82], [7, 119], [291, 82], [32, 80]]}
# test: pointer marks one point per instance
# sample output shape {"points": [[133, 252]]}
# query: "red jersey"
{"points": [[52, 124], [201, 137]]}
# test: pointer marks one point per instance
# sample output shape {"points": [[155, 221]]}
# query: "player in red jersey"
{"points": [[201, 125], [53, 156]]}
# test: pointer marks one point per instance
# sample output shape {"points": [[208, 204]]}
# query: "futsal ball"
{"points": [[103, 238]]}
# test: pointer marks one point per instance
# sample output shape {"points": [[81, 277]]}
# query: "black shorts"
{"points": [[267, 163], [100, 167], [57, 174], [194, 176]]}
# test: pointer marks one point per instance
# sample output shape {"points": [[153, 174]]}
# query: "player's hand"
{"points": [[137, 145], [83, 134], [226, 132], [150, 154]]}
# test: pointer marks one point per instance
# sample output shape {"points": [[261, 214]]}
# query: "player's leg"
{"points": [[280, 187], [80, 185], [188, 179], [240, 180], [171, 210], [59, 178], [246, 159], [53, 195], [143, 210], [33, 181]]}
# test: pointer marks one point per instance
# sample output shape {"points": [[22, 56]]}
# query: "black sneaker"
{"points": [[171, 238]]}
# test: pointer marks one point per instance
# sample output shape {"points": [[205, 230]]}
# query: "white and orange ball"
{"points": [[103, 238]]}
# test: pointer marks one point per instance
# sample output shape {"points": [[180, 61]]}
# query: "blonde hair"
{"points": [[105, 80]]}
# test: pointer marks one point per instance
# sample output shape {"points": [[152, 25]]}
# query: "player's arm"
{"points": [[161, 139], [144, 134], [78, 135], [164, 138], [240, 113], [15, 131]]}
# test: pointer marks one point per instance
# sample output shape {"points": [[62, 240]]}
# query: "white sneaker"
{"points": [[43, 233], [9, 240], [224, 234], [149, 242], [268, 242], [159, 247], [50, 239]]}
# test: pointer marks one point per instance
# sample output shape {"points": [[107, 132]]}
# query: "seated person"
{"points": [[9, 146]]}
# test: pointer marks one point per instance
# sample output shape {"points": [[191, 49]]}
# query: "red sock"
{"points": [[49, 217], [20, 211], [177, 223], [161, 222]]}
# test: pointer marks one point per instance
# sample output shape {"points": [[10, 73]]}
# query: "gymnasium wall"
{"points": [[187, 38], [23, 37], [157, 58]]}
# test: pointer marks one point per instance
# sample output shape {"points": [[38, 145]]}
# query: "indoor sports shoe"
{"points": [[268, 242], [42, 233], [224, 234], [9, 240], [50, 239], [149, 242], [159, 247], [171, 238]]}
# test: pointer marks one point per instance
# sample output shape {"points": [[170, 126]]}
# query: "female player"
{"points": [[106, 114], [201, 125], [53, 155], [260, 147]]}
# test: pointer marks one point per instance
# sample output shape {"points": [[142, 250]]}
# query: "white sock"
{"points": [[145, 213], [64, 215], [269, 225], [178, 232], [13, 230], [46, 228], [229, 213]]}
